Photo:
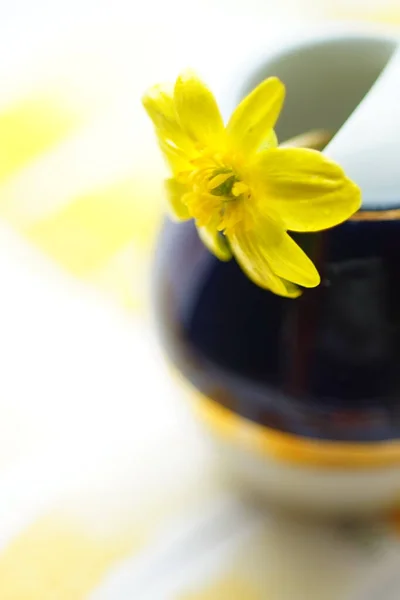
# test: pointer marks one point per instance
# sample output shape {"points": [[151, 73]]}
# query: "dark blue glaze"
{"points": [[326, 365]]}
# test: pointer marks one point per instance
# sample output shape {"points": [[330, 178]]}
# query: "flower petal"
{"points": [[159, 104], [289, 261], [175, 191], [251, 123], [218, 180], [176, 158], [239, 188], [308, 191], [197, 110], [270, 141], [215, 241], [253, 255], [203, 207], [269, 247]]}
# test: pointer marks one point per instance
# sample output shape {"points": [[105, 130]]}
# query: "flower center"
{"points": [[225, 182], [233, 193], [217, 192]]}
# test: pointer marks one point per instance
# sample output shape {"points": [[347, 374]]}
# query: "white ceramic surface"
{"points": [[311, 489], [368, 145], [347, 83]]}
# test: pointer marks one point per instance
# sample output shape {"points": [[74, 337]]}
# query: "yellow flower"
{"points": [[243, 191]]}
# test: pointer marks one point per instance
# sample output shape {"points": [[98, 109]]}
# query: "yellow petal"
{"points": [[177, 159], [234, 214], [250, 127], [288, 260], [239, 188], [218, 180], [271, 141], [270, 247], [215, 241], [253, 257], [307, 190], [175, 191], [203, 207], [159, 104], [197, 110]]}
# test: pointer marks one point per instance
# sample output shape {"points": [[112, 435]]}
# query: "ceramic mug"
{"points": [[301, 397]]}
